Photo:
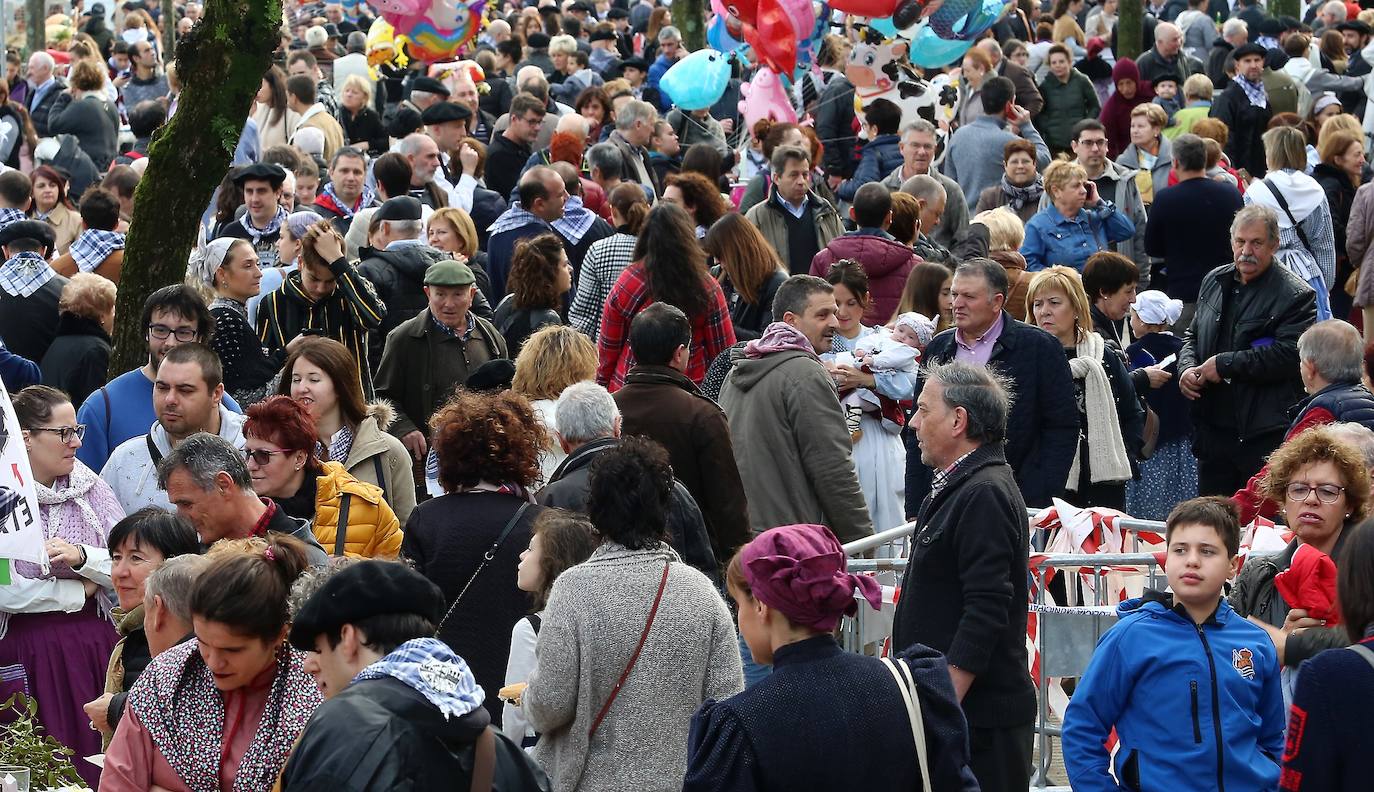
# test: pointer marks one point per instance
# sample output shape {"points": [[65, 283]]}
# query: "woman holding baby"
{"points": [[874, 370]]}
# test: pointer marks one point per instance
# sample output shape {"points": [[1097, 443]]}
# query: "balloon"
{"points": [[436, 29], [930, 51], [764, 97], [697, 81], [803, 16], [775, 49], [965, 19], [384, 47], [883, 26], [719, 37], [877, 9]]}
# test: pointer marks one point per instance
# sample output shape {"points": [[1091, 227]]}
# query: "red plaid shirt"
{"points": [[712, 332]]}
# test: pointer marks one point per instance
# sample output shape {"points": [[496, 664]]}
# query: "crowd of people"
{"points": [[510, 418]]}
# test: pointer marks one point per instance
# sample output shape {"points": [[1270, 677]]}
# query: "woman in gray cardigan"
{"points": [[634, 739]]}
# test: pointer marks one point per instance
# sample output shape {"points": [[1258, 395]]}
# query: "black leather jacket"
{"points": [[1257, 351]]}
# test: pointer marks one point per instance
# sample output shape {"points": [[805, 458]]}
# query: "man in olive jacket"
{"points": [[1239, 362], [662, 404], [426, 356], [794, 453], [964, 589]]}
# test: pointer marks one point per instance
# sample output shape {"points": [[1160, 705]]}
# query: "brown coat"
{"points": [[662, 404], [110, 268], [1018, 281]]}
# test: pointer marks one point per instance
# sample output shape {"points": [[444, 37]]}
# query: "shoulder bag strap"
{"points": [[907, 687], [644, 636], [1363, 651], [1283, 204], [153, 453], [341, 529], [381, 475], [486, 559], [105, 394], [483, 761]]}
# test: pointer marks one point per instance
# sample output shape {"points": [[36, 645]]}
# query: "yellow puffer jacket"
{"points": [[373, 530]]}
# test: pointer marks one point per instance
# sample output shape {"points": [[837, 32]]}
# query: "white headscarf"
{"points": [[206, 261]]}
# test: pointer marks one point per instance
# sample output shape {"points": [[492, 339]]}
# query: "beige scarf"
{"points": [[1106, 449]]}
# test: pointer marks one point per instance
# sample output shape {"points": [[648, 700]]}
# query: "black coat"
{"points": [[1257, 352], [1247, 124], [135, 658], [383, 734], [964, 589], [93, 120], [365, 127], [445, 539], [567, 489], [1340, 196], [28, 325], [1042, 429], [247, 368], [78, 358], [834, 124], [505, 160]]}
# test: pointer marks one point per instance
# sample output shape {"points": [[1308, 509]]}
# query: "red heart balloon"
{"points": [[877, 9]]}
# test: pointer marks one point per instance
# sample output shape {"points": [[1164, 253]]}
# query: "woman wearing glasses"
{"points": [[1322, 485], [55, 629], [348, 516]]}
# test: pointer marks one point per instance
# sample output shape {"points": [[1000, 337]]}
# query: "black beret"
{"points": [[539, 40], [1250, 48], [1289, 23], [602, 35], [261, 171], [361, 591], [635, 63], [331, 30], [584, 7], [617, 13], [402, 207], [1355, 25], [1270, 27], [429, 85], [492, 376], [443, 112], [37, 230]]}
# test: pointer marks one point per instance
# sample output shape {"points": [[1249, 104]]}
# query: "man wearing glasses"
{"points": [[186, 400], [172, 316], [1115, 183], [145, 82], [509, 150]]}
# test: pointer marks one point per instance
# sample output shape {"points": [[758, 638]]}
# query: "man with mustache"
{"points": [[1239, 360]]}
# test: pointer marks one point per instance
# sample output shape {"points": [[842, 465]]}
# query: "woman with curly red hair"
{"points": [[699, 196], [284, 450], [469, 540]]}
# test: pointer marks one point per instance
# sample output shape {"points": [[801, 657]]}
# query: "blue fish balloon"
{"points": [[697, 81]]}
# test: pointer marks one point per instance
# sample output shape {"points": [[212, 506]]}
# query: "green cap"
{"points": [[448, 273]]}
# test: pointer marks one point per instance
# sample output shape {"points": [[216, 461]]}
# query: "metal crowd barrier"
{"points": [[1065, 636]]}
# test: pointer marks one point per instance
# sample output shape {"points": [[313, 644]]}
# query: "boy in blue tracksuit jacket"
{"points": [[1192, 689]]}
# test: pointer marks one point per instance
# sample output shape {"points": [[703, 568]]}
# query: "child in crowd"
{"points": [[1169, 475], [1197, 103], [559, 540], [1191, 688], [882, 352], [1166, 95]]}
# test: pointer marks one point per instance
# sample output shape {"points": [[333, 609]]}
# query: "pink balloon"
{"points": [[802, 14], [764, 97]]}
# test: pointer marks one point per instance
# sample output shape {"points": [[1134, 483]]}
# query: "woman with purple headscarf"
{"points": [[825, 718], [56, 633]]}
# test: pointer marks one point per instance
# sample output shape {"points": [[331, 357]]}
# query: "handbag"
{"points": [[910, 695], [1150, 437], [486, 559]]}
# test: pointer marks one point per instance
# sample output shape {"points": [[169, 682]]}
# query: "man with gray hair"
{"points": [[794, 451], [1167, 56], [634, 128], [167, 601], [207, 480], [964, 592], [1042, 435], [1239, 361], [919, 141], [670, 50], [588, 422], [1331, 363], [605, 166], [1234, 33], [43, 89]]}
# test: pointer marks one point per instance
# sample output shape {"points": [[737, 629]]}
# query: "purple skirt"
{"points": [[60, 660]]}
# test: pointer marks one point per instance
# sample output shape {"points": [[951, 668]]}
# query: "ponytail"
{"points": [[246, 584], [629, 201]]}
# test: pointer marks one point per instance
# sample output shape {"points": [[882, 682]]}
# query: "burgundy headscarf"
{"points": [[799, 570], [1116, 111]]}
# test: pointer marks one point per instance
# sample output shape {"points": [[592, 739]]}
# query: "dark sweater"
{"points": [[365, 127], [1331, 725], [505, 158], [247, 369], [445, 538], [93, 121], [964, 590], [77, 361], [1189, 228], [802, 245], [28, 325]]}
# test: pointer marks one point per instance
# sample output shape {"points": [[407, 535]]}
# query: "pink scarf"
{"points": [[779, 337], [80, 508]]}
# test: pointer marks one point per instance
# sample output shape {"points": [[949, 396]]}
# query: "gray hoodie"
{"points": [[795, 455], [132, 474]]}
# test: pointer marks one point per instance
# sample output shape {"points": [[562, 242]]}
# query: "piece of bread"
{"points": [[511, 694]]}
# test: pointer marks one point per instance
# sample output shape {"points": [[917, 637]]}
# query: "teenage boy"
{"points": [[1192, 689]]}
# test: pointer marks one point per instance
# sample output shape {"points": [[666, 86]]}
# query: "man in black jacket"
{"points": [[1043, 431], [401, 710], [1239, 362], [964, 590], [588, 423], [1247, 117]]}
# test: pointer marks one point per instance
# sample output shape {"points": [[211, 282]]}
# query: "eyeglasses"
{"points": [[261, 456], [64, 433], [1090, 143], [184, 334], [1326, 493]]}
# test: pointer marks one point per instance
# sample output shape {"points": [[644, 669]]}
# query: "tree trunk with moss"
{"points": [[689, 17], [220, 65], [169, 30], [1281, 8], [34, 25], [1130, 29]]}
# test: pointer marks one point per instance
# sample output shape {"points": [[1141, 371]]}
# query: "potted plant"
{"points": [[23, 743]]}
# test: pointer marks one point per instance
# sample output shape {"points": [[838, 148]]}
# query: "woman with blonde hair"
{"points": [[552, 359], [77, 360], [451, 230], [362, 127], [1076, 223], [1005, 235], [1339, 173], [1110, 415]]}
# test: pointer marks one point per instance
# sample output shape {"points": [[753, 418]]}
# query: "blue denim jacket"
{"points": [[1054, 239]]}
